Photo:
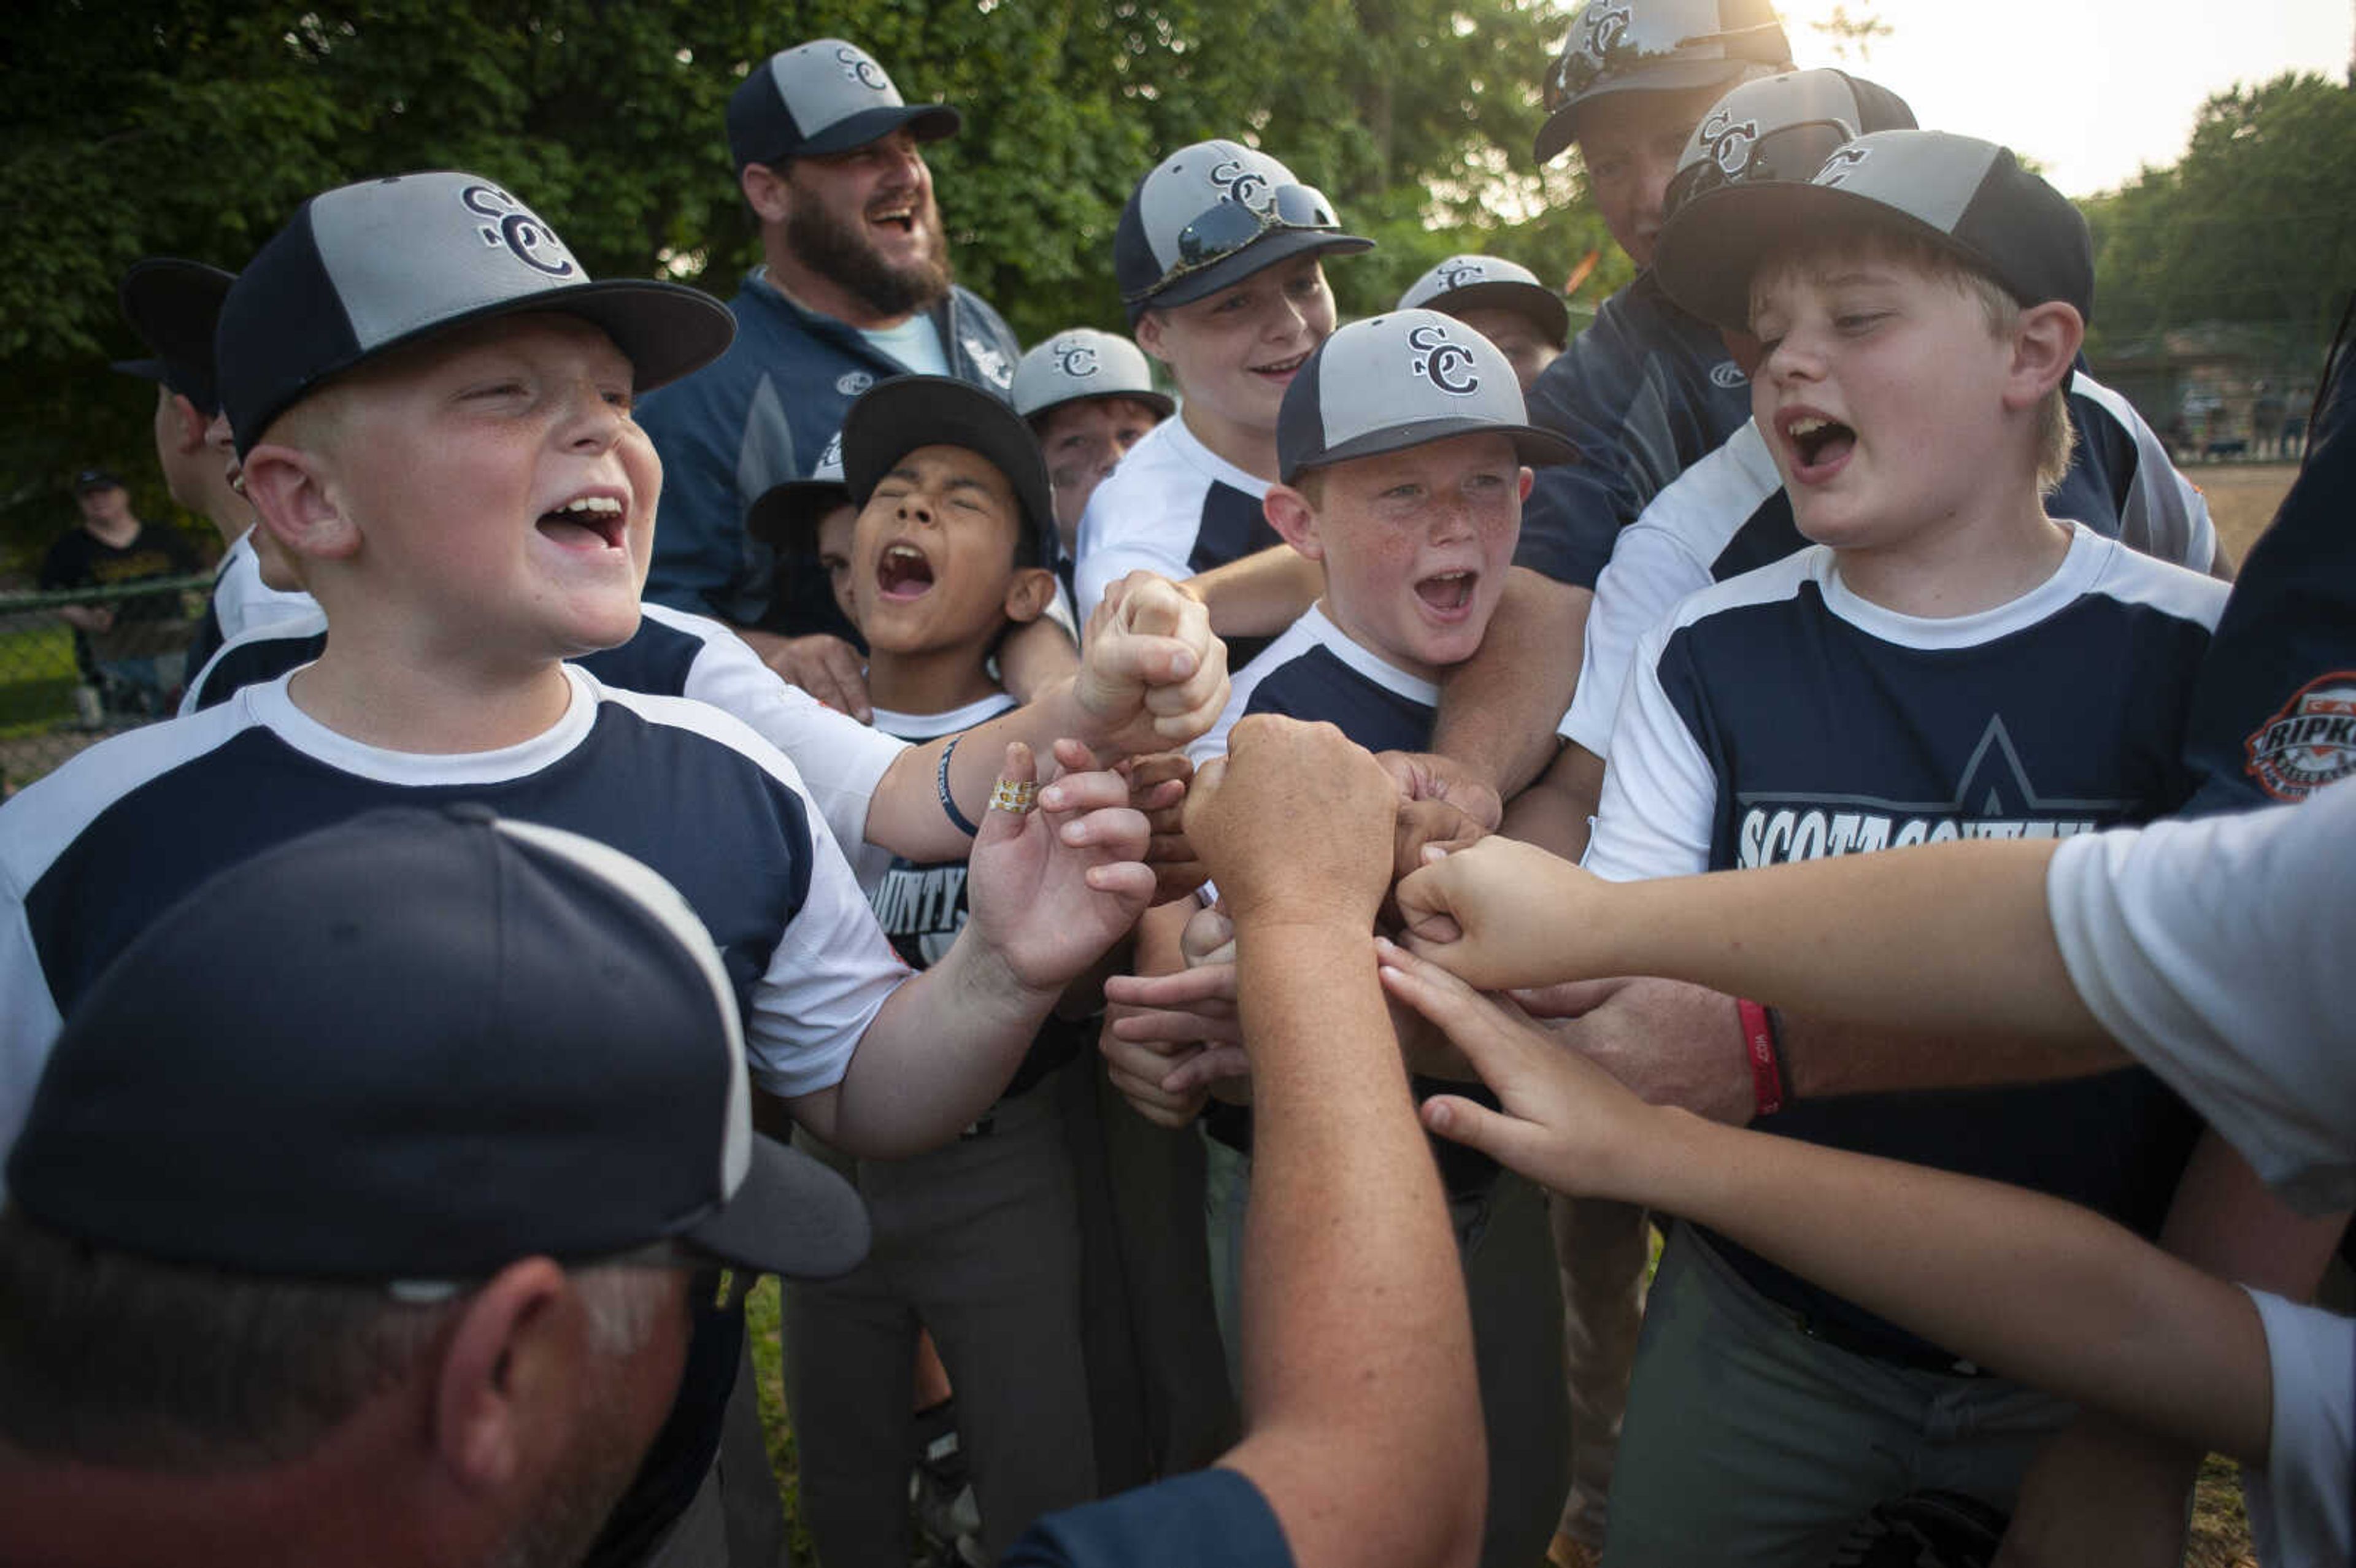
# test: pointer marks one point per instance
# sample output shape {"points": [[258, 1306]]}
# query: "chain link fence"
{"points": [[80, 665]]}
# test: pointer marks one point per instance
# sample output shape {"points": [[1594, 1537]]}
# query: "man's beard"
{"points": [[835, 250]]}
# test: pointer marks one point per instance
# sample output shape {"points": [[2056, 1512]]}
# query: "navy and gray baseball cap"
{"points": [[821, 98], [173, 305], [1210, 215], [1400, 380], [1782, 128], [894, 418], [1081, 362], [442, 1042], [1491, 282], [1655, 45], [369, 267], [1965, 195], [787, 516]]}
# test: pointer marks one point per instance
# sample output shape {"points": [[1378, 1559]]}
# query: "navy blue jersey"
{"points": [[1644, 393], [1172, 506], [1210, 1516], [1778, 716]]}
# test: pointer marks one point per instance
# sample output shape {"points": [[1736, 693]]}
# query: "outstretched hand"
{"points": [[1152, 675], [1054, 887], [1499, 913], [1566, 1122]]}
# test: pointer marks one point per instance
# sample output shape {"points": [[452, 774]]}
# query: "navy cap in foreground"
{"points": [[1966, 196], [369, 267], [787, 516], [435, 1043], [822, 98], [1401, 381]]}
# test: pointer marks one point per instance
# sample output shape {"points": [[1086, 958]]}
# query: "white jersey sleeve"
{"points": [[2303, 1505], [1657, 560], [839, 760], [2216, 951], [243, 602], [2165, 514], [1659, 793]]}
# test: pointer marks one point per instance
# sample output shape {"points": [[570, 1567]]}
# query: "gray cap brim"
{"points": [[1535, 447], [790, 1216], [925, 121], [1276, 245], [1562, 129]]}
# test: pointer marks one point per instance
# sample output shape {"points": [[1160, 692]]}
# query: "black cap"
{"points": [[1400, 380], [1655, 45], [821, 97], [787, 516], [369, 267], [1967, 196], [439, 1043], [894, 418], [1186, 203], [1490, 283], [1782, 128], [173, 305], [90, 479]]}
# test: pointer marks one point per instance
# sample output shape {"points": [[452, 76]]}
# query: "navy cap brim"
{"points": [[925, 121], [173, 305], [1542, 304], [1276, 245], [894, 418], [1535, 447], [1709, 250], [1562, 129], [790, 1216], [787, 516]]}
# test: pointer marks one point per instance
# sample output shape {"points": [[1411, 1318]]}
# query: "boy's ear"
{"points": [[766, 192], [293, 499], [189, 425], [1148, 333], [1028, 593], [2044, 349], [1528, 480], [1290, 515]]}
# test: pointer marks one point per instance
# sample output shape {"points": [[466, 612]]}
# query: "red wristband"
{"points": [[1766, 1063]]}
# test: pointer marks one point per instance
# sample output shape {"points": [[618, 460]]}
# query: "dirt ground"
{"points": [[2242, 498]]}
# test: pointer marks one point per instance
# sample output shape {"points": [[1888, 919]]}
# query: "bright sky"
{"points": [[2093, 90]]}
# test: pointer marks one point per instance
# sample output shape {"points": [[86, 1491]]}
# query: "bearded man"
{"points": [[855, 287]]}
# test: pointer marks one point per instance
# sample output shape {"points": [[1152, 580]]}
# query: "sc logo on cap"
{"points": [[1456, 275], [1842, 163], [1238, 182], [1729, 141], [862, 71], [1076, 360], [519, 230], [1447, 366]]}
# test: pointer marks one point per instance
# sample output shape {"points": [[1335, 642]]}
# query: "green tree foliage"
{"points": [[2255, 225], [193, 127]]}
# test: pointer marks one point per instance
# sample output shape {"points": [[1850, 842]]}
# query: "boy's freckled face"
{"points": [[1083, 441], [1881, 392], [1516, 336], [1416, 544], [503, 494], [933, 551], [1234, 352]]}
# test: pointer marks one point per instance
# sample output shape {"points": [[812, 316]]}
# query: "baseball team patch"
{"points": [[2311, 742]]}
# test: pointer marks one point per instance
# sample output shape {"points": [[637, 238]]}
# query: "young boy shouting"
{"points": [[1403, 447], [1919, 304], [432, 402]]}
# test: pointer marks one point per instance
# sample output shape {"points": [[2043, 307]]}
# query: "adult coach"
{"points": [[855, 286], [423, 1297]]}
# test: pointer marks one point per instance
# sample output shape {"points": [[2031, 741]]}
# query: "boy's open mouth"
{"points": [[903, 572], [585, 522], [1447, 591], [1819, 440]]}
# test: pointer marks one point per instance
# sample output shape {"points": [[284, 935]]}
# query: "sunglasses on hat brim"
{"points": [[1229, 226], [1793, 153]]}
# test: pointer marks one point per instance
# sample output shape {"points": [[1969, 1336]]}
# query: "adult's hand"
{"points": [[1295, 825]]}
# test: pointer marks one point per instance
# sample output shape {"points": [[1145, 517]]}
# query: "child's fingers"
{"points": [[1127, 881], [1519, 1146], [1492, 1040], [1182, 989], [1170, 1027], [1205, 1067], [1011, 798]]}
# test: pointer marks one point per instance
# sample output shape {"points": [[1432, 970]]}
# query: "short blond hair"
{"points": [[2056, 439]]}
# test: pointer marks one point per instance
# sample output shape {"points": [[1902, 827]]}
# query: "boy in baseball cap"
{"points": [[1504, 302], [1089, 397], [1920, 305], [430, 398], [1404, 451], [533, 1127]]}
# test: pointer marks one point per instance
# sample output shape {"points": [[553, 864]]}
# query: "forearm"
{"points": [[1555, 813], [1359, 1392], [2120, 1326], [1034, 656], [1499, 709], [1259, 596], [906, 816], [942, 1048]]}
